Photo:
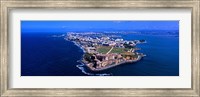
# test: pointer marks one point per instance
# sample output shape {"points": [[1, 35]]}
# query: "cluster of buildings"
{"points": [[102, 60], [90, 41], [100, 40]]}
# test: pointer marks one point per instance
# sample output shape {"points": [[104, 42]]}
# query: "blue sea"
{"points": [[49, 54]]}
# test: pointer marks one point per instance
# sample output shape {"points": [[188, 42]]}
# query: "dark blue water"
{"points": [[44, 55]]}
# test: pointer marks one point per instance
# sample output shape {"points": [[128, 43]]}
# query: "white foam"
{"points": [[81, 67]]}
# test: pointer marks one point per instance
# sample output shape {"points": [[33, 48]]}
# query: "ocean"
{"points": [[49, 54]]}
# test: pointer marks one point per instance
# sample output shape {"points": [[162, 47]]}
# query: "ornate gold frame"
{"points": [[7, 5]]}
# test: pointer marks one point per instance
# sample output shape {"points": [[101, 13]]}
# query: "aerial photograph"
{"points": [[99, 48]]}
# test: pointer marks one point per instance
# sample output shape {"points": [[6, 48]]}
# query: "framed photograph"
{"points": [[100, 48]]}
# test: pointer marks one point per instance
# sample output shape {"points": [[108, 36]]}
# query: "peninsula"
{"points": [[104, 50]]}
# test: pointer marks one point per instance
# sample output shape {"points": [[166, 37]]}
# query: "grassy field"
{"points": [[118, 50], [103, 49], [128, 53]]}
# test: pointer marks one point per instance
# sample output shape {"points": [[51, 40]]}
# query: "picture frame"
{"points": [[8, 5]]}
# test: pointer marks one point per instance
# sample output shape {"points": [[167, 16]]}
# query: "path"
{"points": [[109, 50]]}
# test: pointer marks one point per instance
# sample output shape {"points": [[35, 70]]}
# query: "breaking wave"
{"points": [[83, 70]]}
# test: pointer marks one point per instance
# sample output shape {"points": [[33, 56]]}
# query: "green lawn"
{"points": [[103, 49], [117, 50]]}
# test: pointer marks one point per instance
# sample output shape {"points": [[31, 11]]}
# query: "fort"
{"points": [[102, 51]]}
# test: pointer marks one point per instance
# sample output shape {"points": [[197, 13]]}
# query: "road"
{"points": [[109, 50]]}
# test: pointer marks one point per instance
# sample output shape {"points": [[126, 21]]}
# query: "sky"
{"points": [[68, 26]]}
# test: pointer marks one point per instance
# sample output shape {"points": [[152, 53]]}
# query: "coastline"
{"points": [[80, 60], [79, 46], [105, 68], [84, 62], [108, 67]]}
